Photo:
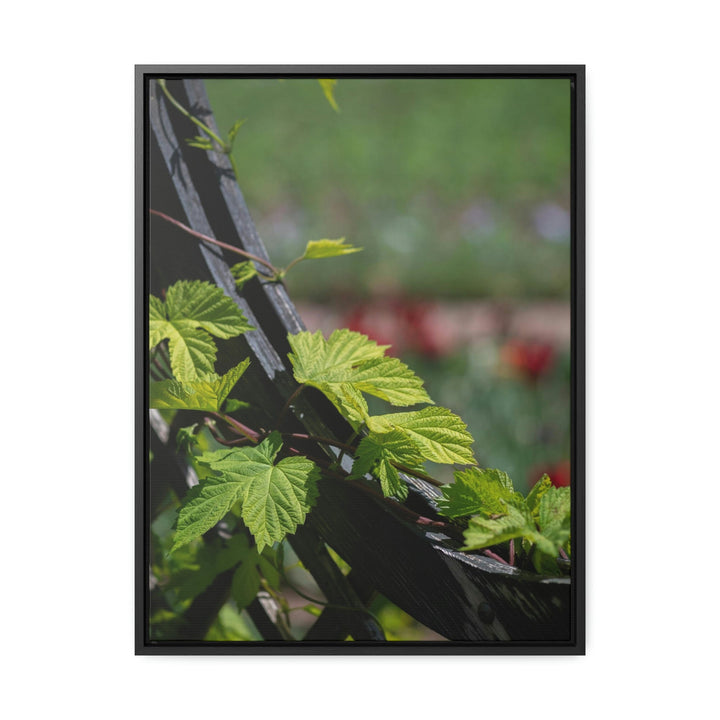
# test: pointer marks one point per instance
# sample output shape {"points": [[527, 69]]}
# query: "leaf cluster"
{"points": [[348, 365], [272, 498], [314, 250], [497, 514]]}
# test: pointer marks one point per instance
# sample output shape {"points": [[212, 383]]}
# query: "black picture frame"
{"points": [[574, 644]]}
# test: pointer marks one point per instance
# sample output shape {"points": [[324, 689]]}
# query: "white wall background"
{"points": [[67, 293]]}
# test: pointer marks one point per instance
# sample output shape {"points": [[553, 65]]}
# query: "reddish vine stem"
{"points": [[495, 556], [210, 425], [223, 245], [318, 439], [239, 428]]}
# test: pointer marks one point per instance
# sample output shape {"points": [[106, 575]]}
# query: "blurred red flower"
{"points": [[560, 474], [530, 359]]}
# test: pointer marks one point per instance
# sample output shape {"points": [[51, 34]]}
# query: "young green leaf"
{"points": [[483, 531], [328, 248], [231, 405], [208, 392], [543, 527], [438, 434], [476, 491], [234, 131], [186, 438], [200, 142], [191, 313], [274, 498], [242, 272], [328, 87], [536, 494], [554, 516]]}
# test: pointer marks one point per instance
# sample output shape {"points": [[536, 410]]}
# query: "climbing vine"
{"points": [[261, 486]]}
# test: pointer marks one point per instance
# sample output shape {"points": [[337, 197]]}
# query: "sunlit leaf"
{"points": [[242, 272], [274, 498], [328, 87], [328, 248], [438, 434], [208, 392], [476, 491], [191, 313], [348, 364]]}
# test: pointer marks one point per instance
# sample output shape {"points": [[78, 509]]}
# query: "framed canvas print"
{"points": [[360, 360]]}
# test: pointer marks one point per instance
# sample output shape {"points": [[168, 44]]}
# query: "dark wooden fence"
{"points": [[463, 597]]}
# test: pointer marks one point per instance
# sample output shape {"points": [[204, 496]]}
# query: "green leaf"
{"points": [[392, 380], [229, 626], [207, 393], [278, 500], [554, 516], [232, 405], [211, 560], [483, 532], [242, 272], [348, 400], [274, 498], [328, 248], [204, 506], [191, 313], [207, 306], [476, 491], [328, 87], [158, 320], [200, 142], [439, 435], [377, 453], [269, 569], [536, 494], [315, 359], [186, 438], [348, 364], [245, 584], [543, 529], [234, 130]]}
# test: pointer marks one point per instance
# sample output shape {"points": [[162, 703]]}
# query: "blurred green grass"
{"points": [[454, 187]]}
